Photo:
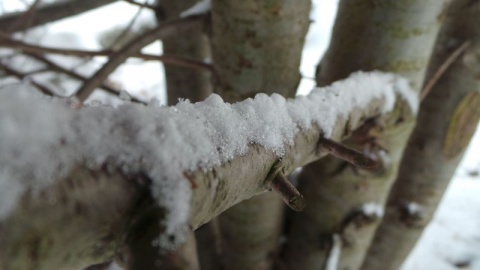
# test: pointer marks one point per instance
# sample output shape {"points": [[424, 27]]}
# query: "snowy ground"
{"points": [[452, 240], [453, 237]]}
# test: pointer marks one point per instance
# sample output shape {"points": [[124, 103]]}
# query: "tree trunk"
{"points": [[447, 120], [256, 49], [391, 35], [182, 82]]}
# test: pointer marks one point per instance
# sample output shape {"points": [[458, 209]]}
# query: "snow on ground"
{"points": [[453, 237]]}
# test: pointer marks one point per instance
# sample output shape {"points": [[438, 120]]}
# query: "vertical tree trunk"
{"points": [[390, 35], [182, 82], [187, 83], [446, 122], [256, 47]]}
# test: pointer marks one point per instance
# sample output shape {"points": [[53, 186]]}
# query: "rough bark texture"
{"points": [[189, 83], [20, 21], [78, 222], [446, 122], [90, 217], [395, 36], [256, 47]]}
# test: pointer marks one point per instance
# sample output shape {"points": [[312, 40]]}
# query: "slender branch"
{"points": [[350, 155], [142, 5], [22, 76], [53, 66], [26, 17], [289, 194], [7, 42], [127, 29], [441, 70], [50, 13], [133, 47]]}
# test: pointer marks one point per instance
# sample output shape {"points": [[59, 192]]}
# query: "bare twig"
{"points": [[127, 28], [289, 194], [441, 70], [350, 155], [26, 17], [142, 5], [53, 66], [7, 42], [21, 76], [49, 13], [132, 48]]}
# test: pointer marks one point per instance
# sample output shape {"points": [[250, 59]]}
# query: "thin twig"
{"points": [[441, 70], [142, 5], [22, 76], [26, 18], [50, 13], [289, 194], [350, 155], [132, 48], [8, 42], [53, 66], [127, 29]]}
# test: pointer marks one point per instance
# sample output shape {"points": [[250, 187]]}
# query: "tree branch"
{"points": [[7, 42], [133, 47], [54, 66], [10, 71], [142, 5], [48, 13], [97, 209]]}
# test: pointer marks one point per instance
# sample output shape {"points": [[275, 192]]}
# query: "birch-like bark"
{"points": [[186, 83], [96, 216], [391, 35], [256, 47], [446, 122]]}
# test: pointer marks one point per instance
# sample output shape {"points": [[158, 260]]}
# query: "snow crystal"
{"points": [[163, 142], [199, 8], [372, 209]]}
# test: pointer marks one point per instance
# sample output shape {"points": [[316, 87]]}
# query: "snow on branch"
{"points": [[42, 139]]}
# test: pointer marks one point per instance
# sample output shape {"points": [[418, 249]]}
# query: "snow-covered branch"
{"points": [[197, 159]]}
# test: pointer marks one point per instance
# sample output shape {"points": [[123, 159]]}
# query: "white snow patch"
{"points": [[335, 251], [199, 8], [373, 209], [163, 142], [453, 235], [414, 208]]}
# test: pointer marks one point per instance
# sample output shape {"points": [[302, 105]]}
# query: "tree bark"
{"points": [[95, 216], [256, 48], [391, 35], [446, 122], [185, 83]]}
